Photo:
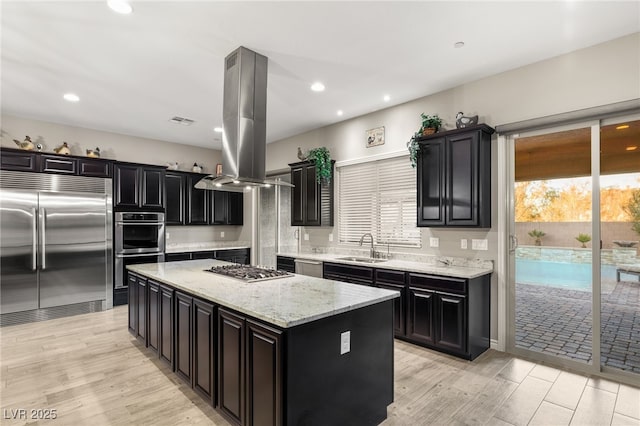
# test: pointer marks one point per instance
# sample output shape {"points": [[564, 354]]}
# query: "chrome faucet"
{"points": [[371, 254]]}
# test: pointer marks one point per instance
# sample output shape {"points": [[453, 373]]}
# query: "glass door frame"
{"points": [[509, 244]]}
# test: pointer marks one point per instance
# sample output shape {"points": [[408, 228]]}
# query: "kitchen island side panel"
{"points": [[324, 387]]}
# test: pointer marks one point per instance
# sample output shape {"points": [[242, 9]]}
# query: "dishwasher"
{"points": [[311, 268]]}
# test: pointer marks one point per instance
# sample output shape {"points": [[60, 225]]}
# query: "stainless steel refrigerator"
{"points": [[55, 245]]}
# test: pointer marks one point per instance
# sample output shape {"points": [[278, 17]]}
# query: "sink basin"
{"points": [[362, 259]]}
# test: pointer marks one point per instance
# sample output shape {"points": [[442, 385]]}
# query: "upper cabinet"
{"points": [[138, 187], [454, 178], [187, 205], [30, 161], [311, 202]]}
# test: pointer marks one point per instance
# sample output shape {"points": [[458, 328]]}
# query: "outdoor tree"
{"points": [[633, 208]]}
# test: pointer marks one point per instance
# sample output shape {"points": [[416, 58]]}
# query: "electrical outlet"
{"points": [[306, 237], [479, 244], [221, 234], [330, 237], [167, 235], [463, 243], [345, 342], [434, 242]]}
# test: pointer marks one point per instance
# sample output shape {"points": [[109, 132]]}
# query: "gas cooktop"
{"points": [[248, 273]]}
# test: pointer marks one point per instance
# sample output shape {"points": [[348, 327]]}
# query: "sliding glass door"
{"points": [[574, 264]]}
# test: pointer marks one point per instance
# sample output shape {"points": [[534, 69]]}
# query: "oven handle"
{"points": [[140, 255]]}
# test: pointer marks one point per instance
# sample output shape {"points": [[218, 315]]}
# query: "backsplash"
{"points": [[201, 234]]}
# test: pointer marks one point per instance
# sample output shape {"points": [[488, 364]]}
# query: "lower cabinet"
{"points": [[394, 280], [241, 256], [348, 273], [232, 361], [420, 326], [203, 337], [183, 335], [286, 263]]}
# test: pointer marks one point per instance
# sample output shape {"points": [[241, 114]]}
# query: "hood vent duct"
{"points": [[244, 117]]}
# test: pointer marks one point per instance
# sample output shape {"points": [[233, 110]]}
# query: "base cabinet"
{"points": [[420, 327], [182, 339], [153, 312], [231, 367], [203, 337], [165, 325]]}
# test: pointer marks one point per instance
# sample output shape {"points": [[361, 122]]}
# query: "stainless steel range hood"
{"points": [[244, 124]]}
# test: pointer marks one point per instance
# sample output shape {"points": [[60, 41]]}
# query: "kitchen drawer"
{"points": [[432, 282], [174, 257], [348, 273], [203, 255], [22, 161], [390, 276], [59, 164], [94, 168]]}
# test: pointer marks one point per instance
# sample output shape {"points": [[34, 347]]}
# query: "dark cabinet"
{"points": [[165, 320], [183, 327], [138, 187], [241, 256], [197, 203], [141, 300], [174, 186], [132, 283], [454, 178], [394, 280], [176, 257], [59, 164], [24, 161], [153, 318], [250, 377], [348, 273], [227, 208], [231, 365], [439, 310], [94, 168], [311, 202], [203, 255], [264, 375], [285, 263], [203, 336]]}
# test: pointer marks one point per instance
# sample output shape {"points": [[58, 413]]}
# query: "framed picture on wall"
{"points": [[375, 137]]}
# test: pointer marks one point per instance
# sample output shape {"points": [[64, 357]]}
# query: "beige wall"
{"points": [[113, 146], [598, 75]]}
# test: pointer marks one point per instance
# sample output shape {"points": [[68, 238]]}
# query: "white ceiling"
{"points": [[135, 72]]}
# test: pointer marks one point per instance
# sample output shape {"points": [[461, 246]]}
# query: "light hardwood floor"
{"points": [[91, 371]]}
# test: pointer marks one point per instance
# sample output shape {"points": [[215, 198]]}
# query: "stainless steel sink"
{"points": [[362, 259]]}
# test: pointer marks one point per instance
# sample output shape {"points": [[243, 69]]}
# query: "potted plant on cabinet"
{"points": [[322, 157], [430, 125]]}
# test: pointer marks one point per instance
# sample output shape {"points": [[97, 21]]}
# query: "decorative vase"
{"points": [[428, 131]]}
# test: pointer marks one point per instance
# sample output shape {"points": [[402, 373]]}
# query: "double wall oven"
{"points": [[139, 238]]}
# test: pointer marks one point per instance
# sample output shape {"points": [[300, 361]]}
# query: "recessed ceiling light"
{"points": [[458, 44], [631, 148], [120, 6], [217, 129], [317, 87], [71, 97], [386, 98], [622, 127], [339, 112]]}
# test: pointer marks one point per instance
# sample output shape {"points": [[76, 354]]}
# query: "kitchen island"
{"points": [[292, 350]]}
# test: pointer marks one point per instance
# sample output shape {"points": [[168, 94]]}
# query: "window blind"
{"points": [[378, 197]]}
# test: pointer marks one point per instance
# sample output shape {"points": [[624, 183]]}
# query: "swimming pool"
{"points": [[573, 276]]}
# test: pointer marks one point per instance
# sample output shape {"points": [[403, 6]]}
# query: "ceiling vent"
{"points": [[182, 120]]}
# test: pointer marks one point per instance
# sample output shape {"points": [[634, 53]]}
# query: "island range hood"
{"points": [[244, 117]]}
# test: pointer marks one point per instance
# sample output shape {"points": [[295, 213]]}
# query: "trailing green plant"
{"points": [[633, 208], [322, 157], [584, 239], [428, 121], [537, 234]]}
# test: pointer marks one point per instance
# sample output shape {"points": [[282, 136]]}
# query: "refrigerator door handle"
{"points": [[43, 241], [34, 240]]}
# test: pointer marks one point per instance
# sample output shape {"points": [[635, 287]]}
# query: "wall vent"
{"points": [[182, 120]]}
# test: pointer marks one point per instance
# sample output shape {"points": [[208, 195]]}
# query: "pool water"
{"points": [[573, 276]]}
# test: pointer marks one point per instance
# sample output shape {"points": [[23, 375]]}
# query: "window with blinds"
{"points": [[378, 197]]}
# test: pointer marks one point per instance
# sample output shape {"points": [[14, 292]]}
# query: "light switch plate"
{"points": [[479, 244], [306, 237], [167, 235], [345, 342], [221, 234], [463, 243], [330, 237], [434, 242]]}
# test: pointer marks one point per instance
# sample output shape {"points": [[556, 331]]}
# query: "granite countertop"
{"points": [[284, 302], [215, 245], [459, 268]]}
